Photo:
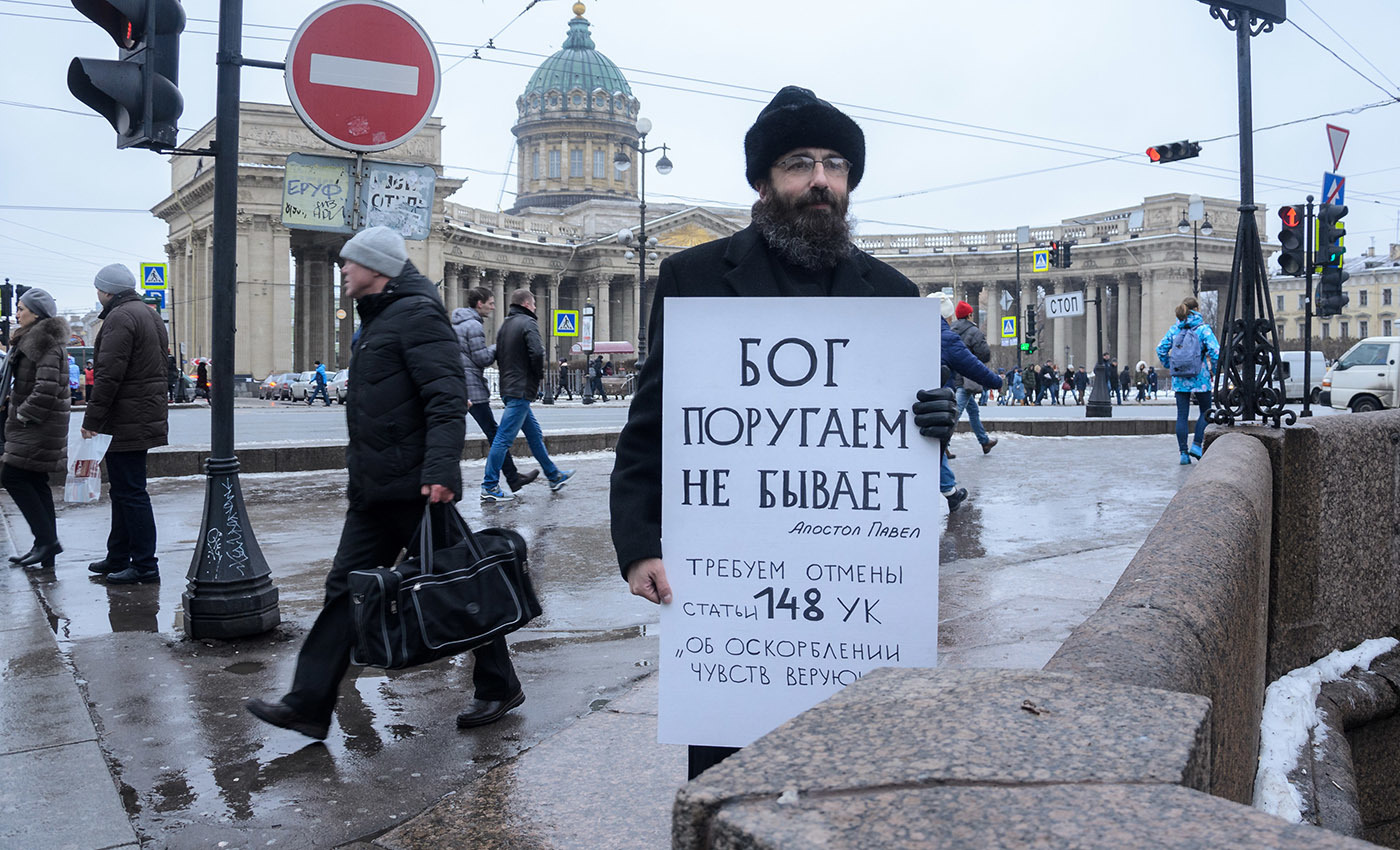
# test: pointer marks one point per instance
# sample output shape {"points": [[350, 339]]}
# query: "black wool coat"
{"points": [[407, 415], [36, 426], [520, 354], [741, 265]]}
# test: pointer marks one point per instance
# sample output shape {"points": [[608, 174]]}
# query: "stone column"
{"points": [[1121, 346], [495, 282], [300, 308], [602, 315], [452, 287]]}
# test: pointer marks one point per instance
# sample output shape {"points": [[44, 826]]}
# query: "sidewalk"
{"points": [[91, 671]]}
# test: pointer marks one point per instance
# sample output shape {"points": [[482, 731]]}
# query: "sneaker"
{"points": [[987, 446], [559, 480], [495, 494], [1195, 450], [956, 498], [1185, 459]]}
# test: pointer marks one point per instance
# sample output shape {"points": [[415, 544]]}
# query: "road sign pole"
{"points": [[1018, 305], [1308, 307], [229, 592]]}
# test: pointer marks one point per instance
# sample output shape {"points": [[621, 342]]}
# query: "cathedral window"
{"points": [[535, 165], [600, 166], [554, 162], [576, 162]]}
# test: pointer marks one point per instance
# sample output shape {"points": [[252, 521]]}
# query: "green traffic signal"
{"points": [[1330, 235]]}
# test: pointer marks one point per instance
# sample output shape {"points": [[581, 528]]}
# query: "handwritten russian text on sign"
{"points": [[399, 197], [800, 507], [316, 193]]}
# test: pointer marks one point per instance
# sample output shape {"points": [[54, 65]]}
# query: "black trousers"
{"points": [[486, 420], [372, 538], [702, 758], [133, 536], [31, 493]]}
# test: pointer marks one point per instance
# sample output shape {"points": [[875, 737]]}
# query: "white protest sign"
{"points": [[800, 506]]}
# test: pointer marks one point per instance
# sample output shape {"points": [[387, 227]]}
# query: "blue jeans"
{"points": [[968, 401], [517, 417], [947, 483], [1183, 412]]}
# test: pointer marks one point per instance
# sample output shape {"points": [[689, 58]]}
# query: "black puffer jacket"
{"points": [[407, 415], [520, 354], [129, 389], [36, 429]]}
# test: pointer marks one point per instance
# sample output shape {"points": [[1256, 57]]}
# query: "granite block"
{"points": [[43, 711], [29, 652], [981, 817], [49, 781], [908, 727]]}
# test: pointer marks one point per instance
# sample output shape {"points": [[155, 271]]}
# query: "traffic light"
{"points": [[1174, 151], [1293, 259], [1028, 339], [1331, 300], [1054, 255], [138, 93], [1064, 254], [1330, 230]]}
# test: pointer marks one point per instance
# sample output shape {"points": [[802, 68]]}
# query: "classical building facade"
{"points": [[561, 240], [1373, 308]]}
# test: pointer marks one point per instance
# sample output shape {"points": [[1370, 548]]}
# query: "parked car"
{"points": [[339, 388], [271, 387], [284, 386], [301, 385], [1366, 377]]}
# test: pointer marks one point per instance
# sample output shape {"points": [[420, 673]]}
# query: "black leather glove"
{"points": [[936, 413]]}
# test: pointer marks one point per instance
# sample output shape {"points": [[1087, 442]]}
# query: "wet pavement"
{"points": [[106, 673]]}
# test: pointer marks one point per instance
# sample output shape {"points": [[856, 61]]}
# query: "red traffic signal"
{"points": [[1174, 151], [1292, 260]]}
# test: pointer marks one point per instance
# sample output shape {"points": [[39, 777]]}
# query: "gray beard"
{"points": [[808, 239]]}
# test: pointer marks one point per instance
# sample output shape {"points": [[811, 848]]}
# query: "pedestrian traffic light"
{"points": [[1330, 230], [1028, 339], [1054, 255], [1331, 300], [1064, 254], [138, 93], [1293, 259], [1174, 151]]}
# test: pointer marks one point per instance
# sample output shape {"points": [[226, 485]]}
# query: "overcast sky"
{"points": [[977, 115]]}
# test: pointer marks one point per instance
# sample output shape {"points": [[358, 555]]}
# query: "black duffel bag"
{"points": [[471, 590]]}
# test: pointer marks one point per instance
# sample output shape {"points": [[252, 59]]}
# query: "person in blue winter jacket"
{"points": [[959, 360], [1191, 379]]}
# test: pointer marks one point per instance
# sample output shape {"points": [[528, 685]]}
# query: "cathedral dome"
{"points": [[578, 65]]}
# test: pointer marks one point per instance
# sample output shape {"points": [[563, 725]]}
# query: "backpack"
{"points": [[1187, 353]]}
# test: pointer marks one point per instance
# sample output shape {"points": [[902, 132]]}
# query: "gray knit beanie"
{"points": [[115, 279], [378, 249], [40, 303]]}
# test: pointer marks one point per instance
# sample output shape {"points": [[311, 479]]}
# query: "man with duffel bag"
{"points": [[407, 422]]}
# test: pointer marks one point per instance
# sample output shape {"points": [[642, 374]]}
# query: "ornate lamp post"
{"points": [[1195, 220], [1249, 382], [644, 245]]}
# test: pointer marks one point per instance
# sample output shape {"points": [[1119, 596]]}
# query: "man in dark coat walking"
{"points": [[803, 156], [128, 402], [407, 422]]}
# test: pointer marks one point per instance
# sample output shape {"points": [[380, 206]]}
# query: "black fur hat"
{"points": [[797, 118]]}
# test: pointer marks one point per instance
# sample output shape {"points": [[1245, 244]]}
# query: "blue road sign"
{"points": [[1334, 188], [153, 275], [1008, 327], [566, 323], [1040, 260]]}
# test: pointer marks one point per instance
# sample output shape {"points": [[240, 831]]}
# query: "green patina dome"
{"points": [[578, 65]]}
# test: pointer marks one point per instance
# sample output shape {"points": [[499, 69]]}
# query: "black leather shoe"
{"points": [[956, 498], [284, 716], [15, 559], [104, 566], [483, 711], [522, 480], [131, 575], [41, 555], [989, 445]]}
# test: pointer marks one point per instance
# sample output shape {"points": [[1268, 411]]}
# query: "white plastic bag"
{"points": [[84, 482]]}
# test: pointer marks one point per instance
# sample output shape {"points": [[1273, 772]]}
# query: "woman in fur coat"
{"points": [[35, 387]]}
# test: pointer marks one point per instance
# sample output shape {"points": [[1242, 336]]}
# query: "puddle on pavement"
{"points": [[245, 667]]}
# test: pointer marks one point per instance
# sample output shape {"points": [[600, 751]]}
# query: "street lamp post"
{"points": [[663, 166], [1195, 221]]}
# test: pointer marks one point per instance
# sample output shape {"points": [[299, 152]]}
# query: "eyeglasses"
{"points": [[799, 164]]}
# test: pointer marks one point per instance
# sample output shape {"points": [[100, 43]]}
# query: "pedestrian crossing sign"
{"points": [[1040, 260], [153, 275], [1008, 327], [566, 323]]}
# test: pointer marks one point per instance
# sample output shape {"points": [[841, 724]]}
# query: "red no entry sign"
{"points": [[362, 75]]}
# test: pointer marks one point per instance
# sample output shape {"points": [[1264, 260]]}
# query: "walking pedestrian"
{"points": [[564, 380], [406, 419], [1190, 352], [1125, 383], [1018, 388], [595, 374], [87, 380], [1140, 381], [318, 381], [128, 402], [172, 378], [803, 156], [1081, 385], [75, 379], [34, 386], [1031, 376], [520, 355], [967, 391], [1152, 382], [201, 379], [476, 356]]}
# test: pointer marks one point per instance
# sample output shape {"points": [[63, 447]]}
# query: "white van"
{"points": [[1293, 374], [1366, 377]]}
